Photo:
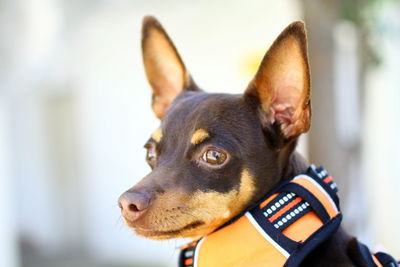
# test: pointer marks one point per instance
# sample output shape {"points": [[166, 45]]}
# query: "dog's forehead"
{"points": [[194, 110]]}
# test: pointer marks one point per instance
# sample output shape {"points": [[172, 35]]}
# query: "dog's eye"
{"points": [[214, 157], [151, 155]]}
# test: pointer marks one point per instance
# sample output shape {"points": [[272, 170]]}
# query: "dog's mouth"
{"points": [[165, 234]]}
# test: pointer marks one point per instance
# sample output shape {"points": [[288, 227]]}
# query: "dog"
{"points": [[216, 156]]}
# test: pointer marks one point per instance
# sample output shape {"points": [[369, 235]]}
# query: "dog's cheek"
{"points": [[220, 207], [246, 191]]}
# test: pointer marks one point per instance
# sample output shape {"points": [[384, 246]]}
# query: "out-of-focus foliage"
{"points": [[365, 14]]}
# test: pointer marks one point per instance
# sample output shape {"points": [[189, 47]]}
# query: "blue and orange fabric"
{"points": [[293, 219]]}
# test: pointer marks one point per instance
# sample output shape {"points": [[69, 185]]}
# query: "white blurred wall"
{"points": [[382, 134], [8, 232]]}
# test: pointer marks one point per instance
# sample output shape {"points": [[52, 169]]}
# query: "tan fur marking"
{"points": [[221, 207], [157, 135], [199, 136], [246, 190], [217, 210]]}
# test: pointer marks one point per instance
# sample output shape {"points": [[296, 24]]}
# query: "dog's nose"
{"points": [[134, 204]]}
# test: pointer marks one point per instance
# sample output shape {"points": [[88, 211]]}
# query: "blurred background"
{"points": [[75, 113]]}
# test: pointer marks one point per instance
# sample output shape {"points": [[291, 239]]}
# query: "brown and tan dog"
{"points": [[214, 155]]}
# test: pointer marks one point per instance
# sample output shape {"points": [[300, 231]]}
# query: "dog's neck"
{"points": [[296, 164]]}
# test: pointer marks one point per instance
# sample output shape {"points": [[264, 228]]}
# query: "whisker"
{"points": [[194, 209], [119, 222], [188, 213]]}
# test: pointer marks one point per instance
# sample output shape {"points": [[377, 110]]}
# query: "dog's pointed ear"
{"points": [[164, 68], [281, 87]]}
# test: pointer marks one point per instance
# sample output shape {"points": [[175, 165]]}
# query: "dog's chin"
{"points": [[188, 231]]}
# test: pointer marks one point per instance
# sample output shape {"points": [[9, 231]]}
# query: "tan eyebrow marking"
{"points": [[199, 136], [157, 135]]}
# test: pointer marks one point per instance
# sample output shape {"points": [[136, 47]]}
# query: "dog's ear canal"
{"points": [[164, 68], [281, 86]]}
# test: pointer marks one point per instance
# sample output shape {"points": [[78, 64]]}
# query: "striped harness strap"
{"points": [[281, 230]]}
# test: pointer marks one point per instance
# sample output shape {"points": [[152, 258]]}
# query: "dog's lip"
{"points": [[148, 232]]}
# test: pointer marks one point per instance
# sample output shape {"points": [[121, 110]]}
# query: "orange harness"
{"points": [[281, 230]]}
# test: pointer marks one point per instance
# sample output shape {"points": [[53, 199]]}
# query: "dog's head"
{"points": [[215, 154]]}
